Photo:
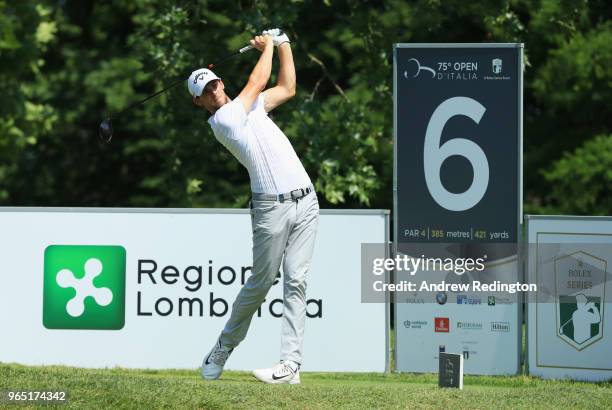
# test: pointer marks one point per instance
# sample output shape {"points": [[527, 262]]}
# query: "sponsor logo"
{"points": [[208, 359], [468, 300], [442, 324], [415, 324], [500, 326], [579, 303], [200, 76], [500, 300], [496, 65], [420, 68], [467, 352], [441, 298], [469, 325], [275, 377], [442, 70], [84, 287]]}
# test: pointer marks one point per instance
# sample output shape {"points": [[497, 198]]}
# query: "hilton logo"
{"points": [[500, 326]]}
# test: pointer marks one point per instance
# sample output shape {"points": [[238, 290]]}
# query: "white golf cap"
{"points": [[198, 80]]}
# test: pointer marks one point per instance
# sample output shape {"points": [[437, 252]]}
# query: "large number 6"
{"points": [[435, 154]]}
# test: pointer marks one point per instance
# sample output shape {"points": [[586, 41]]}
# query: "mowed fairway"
{"points": [[121, 388]]}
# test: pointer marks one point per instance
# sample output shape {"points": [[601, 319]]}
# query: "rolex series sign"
{"points": [[568, 320], [458, 142]]}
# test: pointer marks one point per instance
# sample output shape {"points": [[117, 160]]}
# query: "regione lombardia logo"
{"points": [[84, 287]]}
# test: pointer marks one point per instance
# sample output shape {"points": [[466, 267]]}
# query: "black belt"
{"points": [[289, 196]]}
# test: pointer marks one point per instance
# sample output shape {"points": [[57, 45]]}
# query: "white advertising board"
{"points": [[568, 325], [178, 271], [484, 327]]}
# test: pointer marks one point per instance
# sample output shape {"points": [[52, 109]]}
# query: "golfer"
{"points": [[284, 207]]}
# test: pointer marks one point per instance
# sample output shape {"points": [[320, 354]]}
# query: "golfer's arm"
{"points": [[285, 86], [596, 317], [258, 79]]}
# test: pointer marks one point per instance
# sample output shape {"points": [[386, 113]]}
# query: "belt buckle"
{"points": [[300, 190]]}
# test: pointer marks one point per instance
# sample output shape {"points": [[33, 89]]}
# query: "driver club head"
{"points": [[105, 131]]}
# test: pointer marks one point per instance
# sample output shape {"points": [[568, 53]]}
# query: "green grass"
{"points": [[121, 388]]}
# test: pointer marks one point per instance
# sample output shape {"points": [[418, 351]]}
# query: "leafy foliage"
{"points": [[582, 181], [68, 64]]}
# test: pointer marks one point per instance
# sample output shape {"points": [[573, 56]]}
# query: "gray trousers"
{"points": [[279, 229]]}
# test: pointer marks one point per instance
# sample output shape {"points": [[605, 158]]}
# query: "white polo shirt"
{"points": [[259, 145]]}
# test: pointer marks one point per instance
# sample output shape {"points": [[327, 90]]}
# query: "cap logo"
{"points": [[199, 77]]}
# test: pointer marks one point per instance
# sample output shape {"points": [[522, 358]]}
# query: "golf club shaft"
{"points": [[227, 57], [563, 325], [174, 84], [129, 107]]}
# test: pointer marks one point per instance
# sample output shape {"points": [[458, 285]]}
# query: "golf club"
{"points": [[105, 131], [563, 325]]}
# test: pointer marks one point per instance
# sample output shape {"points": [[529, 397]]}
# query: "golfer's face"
{"points": [[212, 96], [213, 92]]}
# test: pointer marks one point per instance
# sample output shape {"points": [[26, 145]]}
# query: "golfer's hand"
{"points": [[261, 42], [278, 37]]}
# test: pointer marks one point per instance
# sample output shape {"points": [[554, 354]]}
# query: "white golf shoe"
{"points": [[213, 363], [284, 372]]}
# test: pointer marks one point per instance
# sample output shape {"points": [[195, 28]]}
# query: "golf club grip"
{"points": [[242, 50], [249, 47], [245, 48]]}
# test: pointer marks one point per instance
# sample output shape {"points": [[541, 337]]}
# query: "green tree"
{"points": [[582, 181], [25, 33], [66, 65]]}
